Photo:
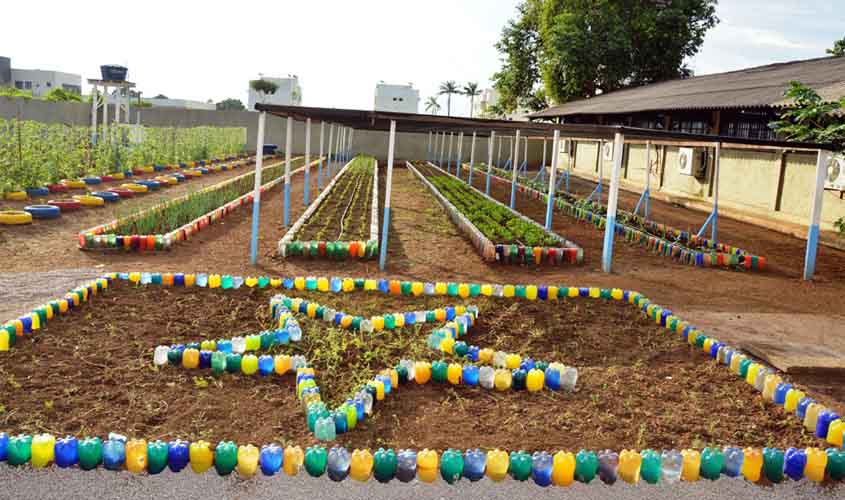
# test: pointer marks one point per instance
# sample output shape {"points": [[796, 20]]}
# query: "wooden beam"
{"points": [[781, 178]]}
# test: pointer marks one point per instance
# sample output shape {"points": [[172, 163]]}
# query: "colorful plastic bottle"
{"points": [[427, 465], [608, 466], [247, 460], [201, 456], [542, 466], [316, 461], [792, 398], [794, 462], [586, 466], [270, 459], [671, 463], [816, 464], [361, 465], [535, 380], [156, 456], [475, 462], [691, 468], [497, 464], [384, 465], [752, 464], [422, 372], [178, 455], [773, 464], [338, 463], [520, 465], [502, 379], [293, 459], [66, 451], [630, 463], [451, 465], [225, 457], [136, 455], [563, 468], [114, 453], [733, 461], [712, 462], [835, 463], [43, 450], [650, 467], [406, 465]]}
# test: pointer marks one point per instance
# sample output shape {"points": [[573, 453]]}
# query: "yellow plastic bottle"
{"points": [[379, 385], [512, 361], [293, 459], [417, 288], [769, 387], [361, 465], [422, 372], [201, 456], [440, 315], [595, 292], [214, 281], [281, 364], [535, 380], [834, 432], [135, 278], [4, 340], [399, 319], [453, 373], [348, 285], [497, 464], [463, 290], [440, 288], [617, 294], [43, 450], [136, 455], [322, 284], [487, 290], [563, 468], [485, 356], [751, 376], [370, 285], [816, 464], [531, 292], [190, 358], [274, 282], [553, 291], [508, 291], [502, 379], [752, 464], [427, 465], [629, 466], [735, 361], [691, 465], [299, 283], [247, 460], [572, 292], [812, 416]]}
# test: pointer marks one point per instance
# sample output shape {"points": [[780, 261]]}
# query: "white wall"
{"points": [[398, 98], [42, 81], [289, 93]]}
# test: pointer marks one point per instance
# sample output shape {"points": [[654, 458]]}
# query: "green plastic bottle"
{"points": [[225, 457], [19, 450], [452, 465], [90, 453], [316, 459], [835, 463], [233, 363], [439, 371], [520, 465], [384, 465], [650, 467], [773, 464], [156, 456], [712, 460], [218, 362], [586, 466]]}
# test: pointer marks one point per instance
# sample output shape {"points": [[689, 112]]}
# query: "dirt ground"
{"points": [[424, 245], [638, 386]]}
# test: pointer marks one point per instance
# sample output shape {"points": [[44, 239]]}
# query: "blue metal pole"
{"points": [[612, 203], [385, 228], [815, 216], [256, 196], [307, 187]]}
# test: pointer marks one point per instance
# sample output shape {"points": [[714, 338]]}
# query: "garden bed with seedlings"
{"points": [[500, 234], [161, 226], [342, 221], [683, 246]]}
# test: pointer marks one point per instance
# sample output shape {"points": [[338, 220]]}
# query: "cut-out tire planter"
{"points": [[151, 185], [92, 180], [70, 184], [15, 217], [16, 196], [39, 191], [57, 188], [90, 201], [107, 178], [43, 211], [107, 196], [66, 205], [135, 187], [123, 193]]}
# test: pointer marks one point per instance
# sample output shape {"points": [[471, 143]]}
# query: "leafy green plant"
{"points": [[61, 95], [811, 118]]}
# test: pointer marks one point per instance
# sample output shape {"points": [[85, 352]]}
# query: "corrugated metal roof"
{"points": [[762, 86]]}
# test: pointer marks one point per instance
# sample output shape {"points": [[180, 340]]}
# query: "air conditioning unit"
{"points": [[835, 174], [607, 151], [692, 164]]}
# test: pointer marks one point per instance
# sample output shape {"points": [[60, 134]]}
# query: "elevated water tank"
{"points": [[5, 71]]}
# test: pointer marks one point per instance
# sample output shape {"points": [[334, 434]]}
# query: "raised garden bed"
{"points": [[342, 221], [173, 221], [500, 234], [639, 389], [659, 238]]}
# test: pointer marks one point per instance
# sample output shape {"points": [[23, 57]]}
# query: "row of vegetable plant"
{"points": [[34, 154], [343, 221], [160, 226], [500, 233]]}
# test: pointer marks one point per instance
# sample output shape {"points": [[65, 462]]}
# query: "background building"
{"points": [[488, 98], [737, 103], [179, 103], [36, 80], [289, 93], [402, 98]]}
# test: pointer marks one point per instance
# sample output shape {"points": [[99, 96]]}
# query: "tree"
{"points": [[263, 87], [449, 87], [471, 91], [573, 49], [432, 105], [231, 104], [838, 49], [161, 96]]}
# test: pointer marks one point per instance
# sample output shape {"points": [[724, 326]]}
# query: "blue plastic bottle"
{"points": [[794, 461], [66, 452], [541, 468], [339, 461], [733, 461], [114, 454], [475, 462], [406, 465], [469, 375], [177, 455], [270, 459]]}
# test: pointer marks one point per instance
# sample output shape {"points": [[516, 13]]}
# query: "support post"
{"points": [[612, 202], [471, 158], [644, 198], [288, 146], [491, 141], [551, 194], [428, 151], [543, 164], [459, 157], [715, 225], [525, 160], [106, 112], [449, 156], [94, 94], [330, 153], [307, 160], [499, 154], [514, 167], [442, 149], [320, 160], [815, 216], [351, 138], [385, 229], [256, 193]]}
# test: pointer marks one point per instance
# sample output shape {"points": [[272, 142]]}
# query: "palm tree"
{"points": [[471, 91], [432, 105], [449, 87]]}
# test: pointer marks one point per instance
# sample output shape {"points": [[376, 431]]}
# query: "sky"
{"points": [[340, 49]]}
